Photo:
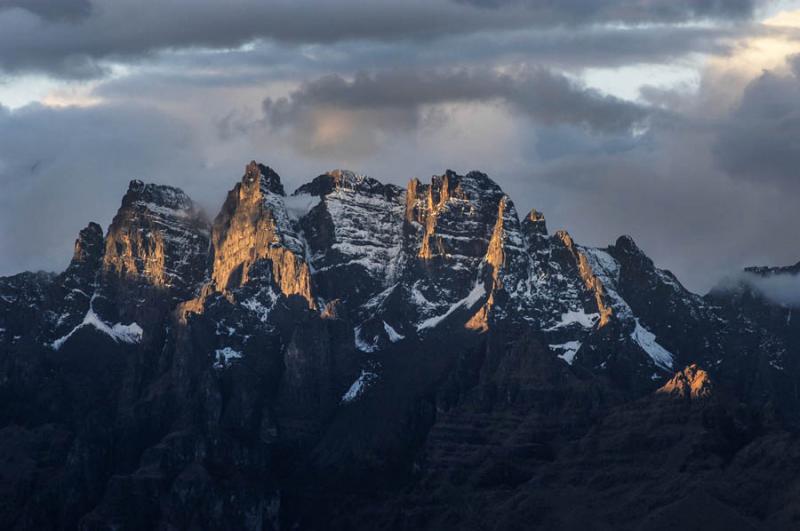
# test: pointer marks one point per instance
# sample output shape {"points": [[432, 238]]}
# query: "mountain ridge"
{"points": [[355, 335]]}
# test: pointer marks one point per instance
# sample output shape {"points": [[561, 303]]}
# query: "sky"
{"points": [[674, 121]]}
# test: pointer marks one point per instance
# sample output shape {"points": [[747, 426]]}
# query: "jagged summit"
{"points": [[89, 244], [158, 195], [626, 244], [267, 179], [254, 225], [346, 180], [157, 238], [534, 223]]}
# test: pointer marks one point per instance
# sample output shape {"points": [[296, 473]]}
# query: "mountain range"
{"points": [[355, 355]]}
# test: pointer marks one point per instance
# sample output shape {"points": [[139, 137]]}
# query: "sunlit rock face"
{"points": [[157, 237], [155, 255], [462, 236], [361, 355], [692, 382], [254, 225]]}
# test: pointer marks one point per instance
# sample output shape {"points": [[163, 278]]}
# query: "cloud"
{"points": [[51, 9], [128, 29], [779, 287], [629, 11], [783, 289], [328, 109], [67, 39], [760, 140], [61, 168]]}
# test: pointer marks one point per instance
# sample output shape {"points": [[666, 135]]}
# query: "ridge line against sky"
{"points": [[677, 122]]}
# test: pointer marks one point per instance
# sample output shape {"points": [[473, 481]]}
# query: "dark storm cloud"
{"points": [[169, 74], [546, 97], [51, 9], [123, 30], [760, 141], [630, 11]]}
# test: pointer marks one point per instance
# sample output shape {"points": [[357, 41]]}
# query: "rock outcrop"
{"points": [[692, 382]]}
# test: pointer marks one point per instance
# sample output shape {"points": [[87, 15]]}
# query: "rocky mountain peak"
{"points": [[149, 195], [157, 236], [88, 245], [631, 257], [692, 382], [453, 204], [348, 181], [253, 226], [534, 223], [264, 178], [625, 244]]}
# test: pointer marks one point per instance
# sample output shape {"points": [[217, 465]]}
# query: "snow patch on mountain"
{"points": [[647, 340], [224, 356], [394, 335], [359, 386], [606, 268], [255, 304], [478, 291], [367, 232], [361, 344], [568, 350], [586, 320], [130, 333], [165, 211]]}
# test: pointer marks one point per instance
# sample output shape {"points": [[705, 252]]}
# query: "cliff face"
{"points": [[359, 355], [254, 225], [158, 237]]}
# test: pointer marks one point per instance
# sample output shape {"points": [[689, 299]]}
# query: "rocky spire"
{"points": [[495, 259], [88, 247], [158, 237], [264, 176], [534, 224], [254, 225], [348, 181], [692, 383], [590, 280], [86, 262]]}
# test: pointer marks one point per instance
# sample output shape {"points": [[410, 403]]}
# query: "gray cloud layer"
{"points": [[761, 139], [73, 38], [395, 100], [53, 10], [631, 11], [783, 289]]}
